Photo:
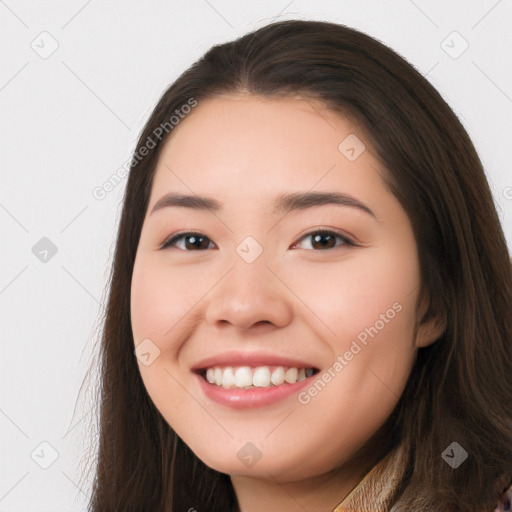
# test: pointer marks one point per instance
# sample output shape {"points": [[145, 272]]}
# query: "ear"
{"points": [[432, 325], [430, 331]]}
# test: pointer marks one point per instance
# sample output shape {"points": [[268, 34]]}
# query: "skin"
{"points": [[301, 301]]}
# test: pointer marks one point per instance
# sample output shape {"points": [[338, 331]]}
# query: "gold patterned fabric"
{"points": [[377, 491]]}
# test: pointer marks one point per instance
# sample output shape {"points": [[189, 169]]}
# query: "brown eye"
{"points": [[323, 239], [192, 242], [320, 240]]}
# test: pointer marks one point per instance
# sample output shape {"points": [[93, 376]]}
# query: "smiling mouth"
{"points": [[247, 377]]}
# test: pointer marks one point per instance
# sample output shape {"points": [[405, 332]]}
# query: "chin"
{"points": [[244, 459]]}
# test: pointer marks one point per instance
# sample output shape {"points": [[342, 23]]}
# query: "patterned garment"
{"points": [[376, 491], [505, 504]]}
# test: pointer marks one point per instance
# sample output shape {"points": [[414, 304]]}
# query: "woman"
{"points": [[311, 292]]}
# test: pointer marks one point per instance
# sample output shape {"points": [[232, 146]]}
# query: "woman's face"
{"points": [[256, 291]]}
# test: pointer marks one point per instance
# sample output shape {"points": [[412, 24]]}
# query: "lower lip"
{"points": [[249, 398]]}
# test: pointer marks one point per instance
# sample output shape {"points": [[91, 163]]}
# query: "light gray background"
{"points": [[70, 120]]}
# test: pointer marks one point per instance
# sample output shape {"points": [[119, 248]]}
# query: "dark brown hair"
{"points": [[460, 388]]}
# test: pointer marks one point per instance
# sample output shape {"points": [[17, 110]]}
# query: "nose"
{"points": [[248, 297]]}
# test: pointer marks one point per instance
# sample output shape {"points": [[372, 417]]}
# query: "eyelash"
{"points": [[346, 241]]}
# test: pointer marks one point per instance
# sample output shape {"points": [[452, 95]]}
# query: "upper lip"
{"points": [[253, 359]]}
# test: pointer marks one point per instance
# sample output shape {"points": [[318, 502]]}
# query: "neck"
{"points": [[321, 493]]}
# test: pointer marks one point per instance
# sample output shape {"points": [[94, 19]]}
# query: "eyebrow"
{"points": [[284, 203]]}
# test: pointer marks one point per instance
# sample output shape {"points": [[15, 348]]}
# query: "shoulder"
{"points": [[505, 503]]}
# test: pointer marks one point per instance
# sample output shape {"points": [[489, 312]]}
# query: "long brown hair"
{"points": [[460, 388]]}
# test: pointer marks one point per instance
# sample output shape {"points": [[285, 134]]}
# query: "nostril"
{"points": [[262, 322]]}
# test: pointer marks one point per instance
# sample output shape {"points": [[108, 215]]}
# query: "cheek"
{"points": [[366, 307], [160, 297], [371, 295], [159, 302]]}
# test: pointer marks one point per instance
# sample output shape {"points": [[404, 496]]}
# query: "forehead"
{"points": [[279, 123], [256, 146]]}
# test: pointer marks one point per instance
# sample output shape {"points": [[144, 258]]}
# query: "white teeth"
{"points": [[277, 376], [291, 375], [228, 379], [245, 377], [261, 377]]}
